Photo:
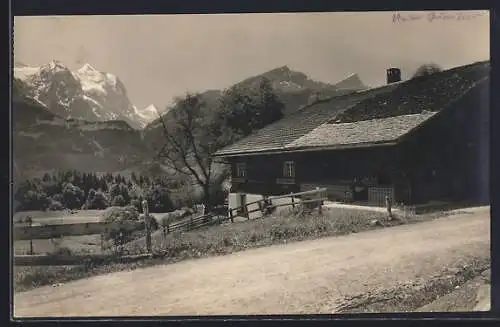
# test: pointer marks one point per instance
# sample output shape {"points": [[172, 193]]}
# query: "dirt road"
{"points": [[302, 277]]}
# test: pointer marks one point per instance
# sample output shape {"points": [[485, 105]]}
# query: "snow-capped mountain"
{"points": [[147, 114], [86, 93], [44, 141]]}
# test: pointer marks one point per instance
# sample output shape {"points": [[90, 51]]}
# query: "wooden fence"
{"points": [[31, 232], [34, 232], [190, 223], [307, 199], [43, 232]]}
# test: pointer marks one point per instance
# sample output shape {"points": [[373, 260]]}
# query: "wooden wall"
{"points": [[443, 159], [334, 170]]}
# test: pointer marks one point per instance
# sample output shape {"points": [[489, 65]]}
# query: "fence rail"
{"points": [[316, 197], [73, 260], [188, 224], [40, 232]]}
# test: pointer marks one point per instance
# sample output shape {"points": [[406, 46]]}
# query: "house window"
{"points": [[289, 169], [241, 169]]}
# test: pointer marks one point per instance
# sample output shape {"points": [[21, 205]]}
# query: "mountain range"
{"points": [[84, 94], [295, 89], [84, 120]]}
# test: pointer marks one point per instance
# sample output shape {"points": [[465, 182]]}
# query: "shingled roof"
{"points": [[377, 115]]}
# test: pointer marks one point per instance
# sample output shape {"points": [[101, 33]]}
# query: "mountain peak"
{"points": [[88, 68], [56, 65], [147, 114], [279, 70], [151, 108], [85, 93], [351, 81]]}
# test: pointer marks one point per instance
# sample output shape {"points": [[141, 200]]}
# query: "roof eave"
{"points": [[310, 149]]}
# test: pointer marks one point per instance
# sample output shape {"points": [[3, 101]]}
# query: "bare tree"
{"points": [[427, 69], [190, 140], [195, 130]]}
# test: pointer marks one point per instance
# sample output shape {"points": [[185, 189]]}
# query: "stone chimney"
{"points": [[393, 75]]}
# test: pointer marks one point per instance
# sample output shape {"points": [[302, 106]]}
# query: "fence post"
{"points": [[145, 210], [231, 215], [318, 194], [293, 204], [30, 224], [388, 205], [164, 233]]}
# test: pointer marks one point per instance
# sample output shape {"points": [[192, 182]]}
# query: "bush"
{"points": [[119, 236], [426, 70], [73, 196], [55, 205], [120, 214], [34, 200], [158, 198], [97, 200], [136, 203], [58, 197]]}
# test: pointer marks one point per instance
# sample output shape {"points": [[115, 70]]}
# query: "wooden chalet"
{"points": [[418, 140]]}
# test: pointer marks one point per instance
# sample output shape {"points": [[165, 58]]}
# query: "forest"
{"points": [[87, 191]]}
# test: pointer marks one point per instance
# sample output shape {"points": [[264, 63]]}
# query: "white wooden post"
{"points": [[388, 205]]}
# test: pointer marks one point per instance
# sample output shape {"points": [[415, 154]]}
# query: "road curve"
{"points": [[296, 278]]}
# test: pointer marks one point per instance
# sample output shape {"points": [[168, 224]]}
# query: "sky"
{"points": [[159, 57]]}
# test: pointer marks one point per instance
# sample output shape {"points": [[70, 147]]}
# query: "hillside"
{"points": [[44, 141]]}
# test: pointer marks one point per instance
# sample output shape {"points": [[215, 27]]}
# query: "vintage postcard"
{"points": [[246, 164]]}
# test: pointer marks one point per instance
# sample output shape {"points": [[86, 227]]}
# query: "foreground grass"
{"points": [[463, 298], [418, 296], [221, 240]]}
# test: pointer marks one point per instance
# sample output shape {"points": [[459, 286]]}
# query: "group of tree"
{"points": [[194, 130], [78, 190], [427, 69]]}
